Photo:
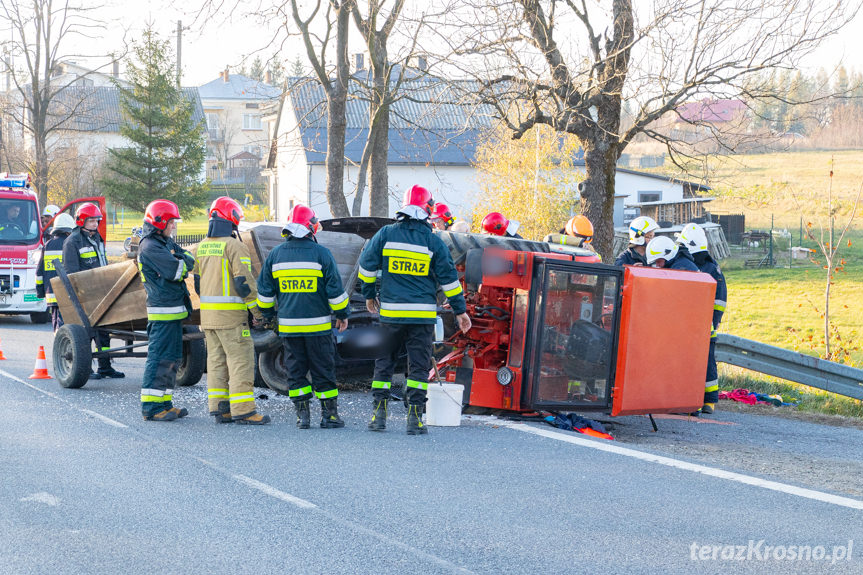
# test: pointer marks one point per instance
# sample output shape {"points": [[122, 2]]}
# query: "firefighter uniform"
{"points": [[84, 251], [163, 265], [630, 257], [411, 261], [300, 283], [228, 291], [708, 265], [52, 256]]}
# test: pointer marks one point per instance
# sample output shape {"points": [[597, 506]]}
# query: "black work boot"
{"points": [[415, 420], [253, 418], [303, 414], [223, 413], [379, 416], [330, 414]]}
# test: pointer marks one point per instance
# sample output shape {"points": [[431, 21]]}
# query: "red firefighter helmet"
{"points": [[227, 208], [442, 212], [580, 227], [160, 212], [86, 211], [419, 196], [495, 224], [305, 216]]}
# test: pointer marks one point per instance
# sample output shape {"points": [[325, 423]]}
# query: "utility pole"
{"points": [[179, 50]]}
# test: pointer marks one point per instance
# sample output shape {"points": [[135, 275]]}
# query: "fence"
{"points": [[189, 239]]}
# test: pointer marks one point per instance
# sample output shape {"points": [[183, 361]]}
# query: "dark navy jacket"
{"points": [[708, 265], [630, 257], [164, 265], [52, 256]]}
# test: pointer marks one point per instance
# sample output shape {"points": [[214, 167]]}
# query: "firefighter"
{"points": [[662, 252], [442, 218], [228, 292], [496, 224], [164, 265], [412, 262], [301, 280], [52, 255], [693, 237], [49, 212], [641, 230], [84, 249], [578, 232]]}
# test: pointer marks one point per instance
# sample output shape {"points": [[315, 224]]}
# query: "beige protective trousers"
{"points": [[231, 369]]}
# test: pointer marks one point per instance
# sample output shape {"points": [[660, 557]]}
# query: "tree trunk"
{"points": [[363, 173], [337, 93], [828, 356], [597, 196], [380, 113], [40, 179]]}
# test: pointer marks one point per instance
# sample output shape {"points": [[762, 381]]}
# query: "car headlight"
{"points": [[33, 257], [505, 376]]}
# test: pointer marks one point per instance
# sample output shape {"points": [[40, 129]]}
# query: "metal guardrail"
{"points": [[812, 371]]}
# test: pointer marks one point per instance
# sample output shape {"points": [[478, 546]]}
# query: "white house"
{"points": [[233, 104], [433, 142]]}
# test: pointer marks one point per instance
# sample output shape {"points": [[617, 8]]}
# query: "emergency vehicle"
{"points": [[21, 245]]}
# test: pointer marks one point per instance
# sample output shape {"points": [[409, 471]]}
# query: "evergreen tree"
{"points": [[257, 70], [297, 68], [166, 157], [277, 72]]}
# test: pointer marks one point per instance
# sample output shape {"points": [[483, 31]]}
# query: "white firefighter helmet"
{"points": [[640, 226], [50, 210], [661, 247], [63, 222], [693, 237]]}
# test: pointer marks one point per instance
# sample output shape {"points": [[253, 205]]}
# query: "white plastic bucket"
{"points": [[443, 408]]}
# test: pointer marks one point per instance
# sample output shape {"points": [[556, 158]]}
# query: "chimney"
{"points": [[268, 77], [358, 60], [115, 68], [422, 63], [225, 75]]}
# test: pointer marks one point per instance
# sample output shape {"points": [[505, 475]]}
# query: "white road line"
{"points": [[273, 492], [605, 445], [98, 416]]}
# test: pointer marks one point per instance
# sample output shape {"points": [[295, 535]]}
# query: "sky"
{"points": [[210, 44]]}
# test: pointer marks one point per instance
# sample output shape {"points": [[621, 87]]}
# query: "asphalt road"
{"points": [[87, 486]]}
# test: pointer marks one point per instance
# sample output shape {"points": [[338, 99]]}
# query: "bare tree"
{"points": [[40, 31], [380, 98], [571, 64]]}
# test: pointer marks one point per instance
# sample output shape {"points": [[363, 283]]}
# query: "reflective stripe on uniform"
{"points": [[50, 298], [417, 384], [712, 333], [247, 262], [451, 289], [293, 269], [166, 313], [87, 252], [712, 385], [305, 324], [152, 395], [181, 269], [266, 302], [222, 302], [241, 397], [327, 394], [380, 385], [405, 250], [217, 393], [226, 278], [719, 305], [300, 392], [410, 310], [39, 280], [367, 276], [340, 302]]}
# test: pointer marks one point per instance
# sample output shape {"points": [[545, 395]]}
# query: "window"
{"points": [[252, 122], [212, 121], [649, 197], [251, 106]]}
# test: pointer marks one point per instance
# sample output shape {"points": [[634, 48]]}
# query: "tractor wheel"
{"points": [[194, 359], [265, 340], [271, 365], [72, 356]]}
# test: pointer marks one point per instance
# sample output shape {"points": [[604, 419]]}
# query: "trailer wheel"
{"points": [[259, 380], [194, 359], [271, 365], [72, 356], [39, 317], [265, 340]]}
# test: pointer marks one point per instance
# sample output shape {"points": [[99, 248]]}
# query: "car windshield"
{"points": [[19, 222]]}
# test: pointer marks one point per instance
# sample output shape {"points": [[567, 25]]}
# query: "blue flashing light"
{"points": [[15, 181]]}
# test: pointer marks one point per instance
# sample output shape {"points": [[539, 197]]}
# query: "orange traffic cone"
{"points": [[41, 369], [1, 354]]}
